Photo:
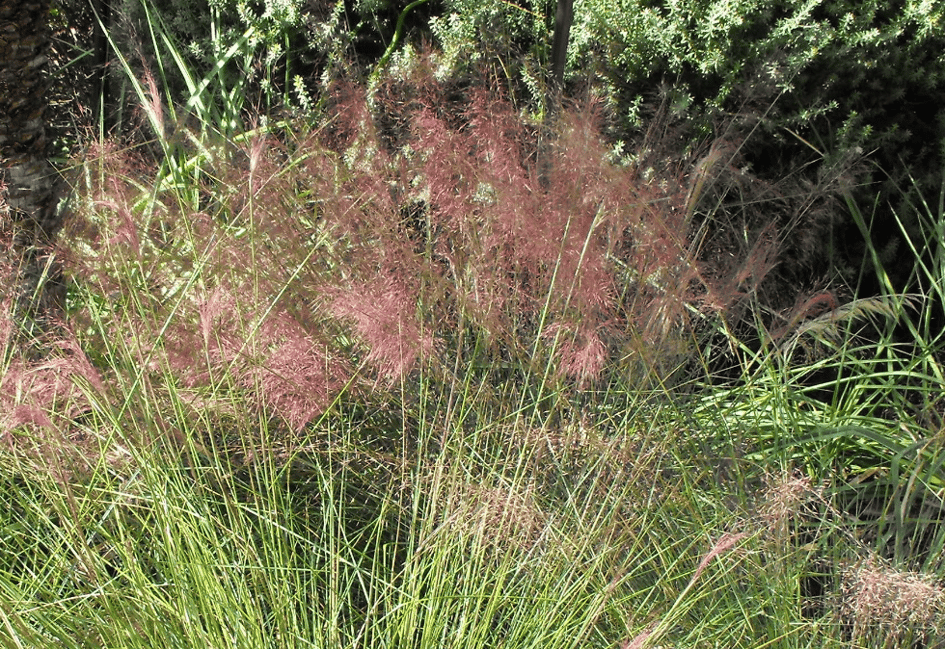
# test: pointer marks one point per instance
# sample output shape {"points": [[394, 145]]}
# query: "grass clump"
{"points": [[369, 383]]}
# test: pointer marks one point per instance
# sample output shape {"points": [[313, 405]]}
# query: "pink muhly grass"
{"points": [[24, 414], [742, 278], [805, 307], [513, 245], [597, 258], [218, 316], [31, 389], [639, 641], [153, 106], [104, 227], [352, 122], [279, 363], [384, 315], [7, 325], [725, 543], [125, 230], [297, 377], [581, 352]]}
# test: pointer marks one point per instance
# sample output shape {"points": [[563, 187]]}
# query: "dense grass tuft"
{"points": [[364, 381]]}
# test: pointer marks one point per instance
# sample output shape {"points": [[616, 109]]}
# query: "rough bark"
{"points": [[31, 219]]}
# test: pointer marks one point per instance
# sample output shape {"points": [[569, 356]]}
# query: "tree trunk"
{"points": [[31, 219], [564, 16]]}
